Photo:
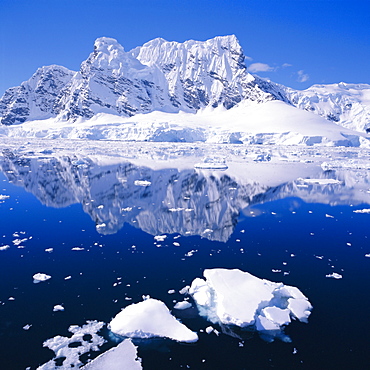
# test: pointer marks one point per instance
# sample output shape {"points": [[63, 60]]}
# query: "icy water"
{"points": [[91, 227]]}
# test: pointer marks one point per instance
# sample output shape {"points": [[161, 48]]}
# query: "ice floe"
{"points": [[58, 307], [365, 210], [334, 275], [237, 298], [123, 356], [183, 305], [150, 318], [37, 278]]}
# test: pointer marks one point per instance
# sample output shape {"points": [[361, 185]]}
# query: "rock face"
{"points": [[35, 98], [160, 75]]}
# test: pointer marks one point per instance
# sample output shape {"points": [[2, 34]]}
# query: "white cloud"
{"points": [[302, 77], [285, 65], [260, 67]]}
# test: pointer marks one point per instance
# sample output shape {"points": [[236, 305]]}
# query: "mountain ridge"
{"points": [[170, 77]]}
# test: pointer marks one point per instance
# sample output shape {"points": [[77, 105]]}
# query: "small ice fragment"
{"points": [[319, 257], [349, 244], [4, 247], [37, 278], [142, 183], [176, 244], [365, 210], [160, 238], [68, 277], [3, 197], [78, 249], [329, 216], [294, 351], [100, 226], [58, 307], [190, 253], [49, 250], [11, 299], [182, 305], [273, 270], [334, 275], [27, 327], [171, 291], [185, 290], [100, 207], [367, 255], [209, 329]]}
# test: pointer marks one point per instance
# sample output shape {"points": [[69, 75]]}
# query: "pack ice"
{"points": [[237, 298]]}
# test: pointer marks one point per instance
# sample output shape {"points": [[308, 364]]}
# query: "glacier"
{"points": [[195, 91]]}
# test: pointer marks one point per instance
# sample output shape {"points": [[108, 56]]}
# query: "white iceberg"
{"points": [[237, 298], [150, 318], [123, 356]]}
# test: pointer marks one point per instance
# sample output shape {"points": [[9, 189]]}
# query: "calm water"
{"points": [[280, 234]]}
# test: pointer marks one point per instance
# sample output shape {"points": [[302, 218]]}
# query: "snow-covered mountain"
{"points": [[160, 75], [116, 87], [346, 104]]}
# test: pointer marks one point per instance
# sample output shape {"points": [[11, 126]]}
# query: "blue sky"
{"points": [[296, 43]]}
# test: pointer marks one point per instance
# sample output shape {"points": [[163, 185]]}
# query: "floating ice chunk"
{"points": [[367, 255], [27, 327], [176, 244], [150, 318], [185, 290], [234, 297], [209, 329], [182, 305], [171, 291], [78, 249], [3, 197], [142, 183], [124, 356], [85, 339], [4, 247], [329, 216], [334, 275], [58, 307], [365, 210], [49, 250], [37, 278], [160, 238]]}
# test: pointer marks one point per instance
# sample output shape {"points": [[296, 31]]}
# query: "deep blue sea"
{"points": [[280, 238]]}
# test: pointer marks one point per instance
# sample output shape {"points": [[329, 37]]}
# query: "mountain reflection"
{"points": [[188, 202]]}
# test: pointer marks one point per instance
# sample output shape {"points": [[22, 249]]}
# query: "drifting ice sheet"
{"points": [[150, 318], [234, 297]]}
